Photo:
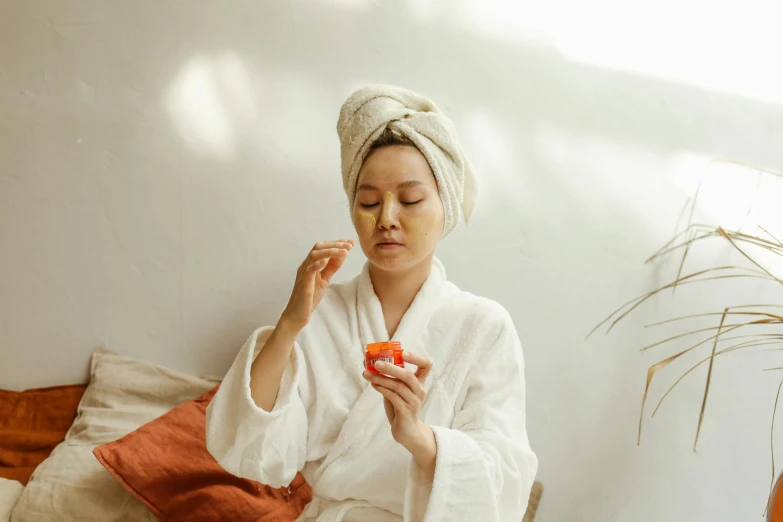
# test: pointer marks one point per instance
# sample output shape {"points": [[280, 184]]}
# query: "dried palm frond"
{"points": [[631, 305], [772, 446], [730, 319]]}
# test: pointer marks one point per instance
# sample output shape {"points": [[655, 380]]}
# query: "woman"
{"points": [[442, 439]]}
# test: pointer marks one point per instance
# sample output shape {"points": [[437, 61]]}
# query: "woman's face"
{"points": [[397, 212]]}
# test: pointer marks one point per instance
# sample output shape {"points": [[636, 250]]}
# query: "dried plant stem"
{"points": [[682, 262], [724, 234], [677, 236], [690, 239], [683, 242], [726, 329], [679, 219], [760, 242], [740, 346], [759, 306], [775, 248], [769, 335], [651, 371], [770, 235], [636, 302], [777, 318], [765, 170], [679, 336], [709, 379], [772, 444]]}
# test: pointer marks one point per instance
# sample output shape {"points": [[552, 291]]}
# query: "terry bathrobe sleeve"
{"points": [[268, 447], [484, 469]]}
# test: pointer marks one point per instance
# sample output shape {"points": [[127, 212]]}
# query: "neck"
{"points": [[396, 290]]}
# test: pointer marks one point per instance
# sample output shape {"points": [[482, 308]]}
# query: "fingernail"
{"points": [[380, 365]]}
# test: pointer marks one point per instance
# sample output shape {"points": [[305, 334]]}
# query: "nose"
{"points": [[389, 213]]}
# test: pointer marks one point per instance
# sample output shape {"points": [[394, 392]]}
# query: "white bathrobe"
{"points": [[330, 423]]}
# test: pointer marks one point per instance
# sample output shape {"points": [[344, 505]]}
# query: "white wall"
{"points": [[165, 166]]}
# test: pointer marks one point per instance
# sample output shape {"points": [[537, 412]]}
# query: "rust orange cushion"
{"points": [[32, 424], [166, 465]]}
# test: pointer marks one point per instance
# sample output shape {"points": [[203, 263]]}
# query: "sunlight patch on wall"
{"points": [[352, 4], [236, 87], [204, 101], [491, 155], [424, 9], [727, 47], [736, 197], [605, 177], [225, 109], [731, 194]]}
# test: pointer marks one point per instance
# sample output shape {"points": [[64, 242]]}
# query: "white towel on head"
{"points": [[370, 110]]}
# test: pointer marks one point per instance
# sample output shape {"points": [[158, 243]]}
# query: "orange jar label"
{"points": [[388, 352]]}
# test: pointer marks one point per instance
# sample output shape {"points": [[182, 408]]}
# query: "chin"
{"points": [[397, 262]]}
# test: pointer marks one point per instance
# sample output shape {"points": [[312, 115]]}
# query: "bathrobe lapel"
{"points": [[366, 427]]}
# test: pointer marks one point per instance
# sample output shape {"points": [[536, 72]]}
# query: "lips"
{"points": [[388, 244]]}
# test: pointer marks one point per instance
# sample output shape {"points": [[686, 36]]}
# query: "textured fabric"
{"points": [[369, 111], [71, 485], [32, 424], [330, 424], [165, 464], [10, 490]]}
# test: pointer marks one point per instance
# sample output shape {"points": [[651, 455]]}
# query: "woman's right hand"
{"points": [[312, 280]]}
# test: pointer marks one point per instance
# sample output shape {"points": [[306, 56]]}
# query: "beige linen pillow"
{"points": [[123, 394], [9, 494]]}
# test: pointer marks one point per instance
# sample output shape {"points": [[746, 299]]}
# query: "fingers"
{"points": [[423, 363], [397, 401], [334, 264], [406, 376], [342, 243], [317, 265], [306, 280], [325, 253], [322, 253], [319, 259], [413, 394]]}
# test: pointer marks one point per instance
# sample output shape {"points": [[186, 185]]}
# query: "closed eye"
{"points": [[411, 203], [368, 206]]}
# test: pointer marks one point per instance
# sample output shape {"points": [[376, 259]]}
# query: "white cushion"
{"points": [[123, 394], [9, 494]]}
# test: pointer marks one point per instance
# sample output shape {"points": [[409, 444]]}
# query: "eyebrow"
{"points": [[403, 185]]}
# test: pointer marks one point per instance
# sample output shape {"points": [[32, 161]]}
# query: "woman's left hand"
{"points": [[403, 395]]}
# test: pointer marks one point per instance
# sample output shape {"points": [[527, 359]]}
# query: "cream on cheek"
{"points": [[365, 222], [419, 229]]}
